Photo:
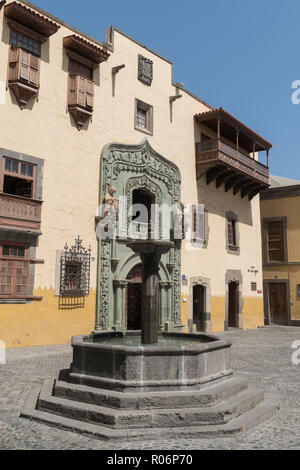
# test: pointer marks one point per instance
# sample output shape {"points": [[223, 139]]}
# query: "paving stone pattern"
{"points": [[262, 356]]}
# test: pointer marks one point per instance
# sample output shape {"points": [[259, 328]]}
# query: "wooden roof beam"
{"points": [[233, 180], [212, 174], [223, 177]]}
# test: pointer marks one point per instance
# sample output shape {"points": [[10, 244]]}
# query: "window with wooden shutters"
{"points": [[14, 271], [275, 241], [24, 67], [198, 218], [80, 92], [232, 233]]}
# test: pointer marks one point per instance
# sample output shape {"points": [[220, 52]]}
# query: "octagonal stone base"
{"points": [[115, 390], [197, 360]]}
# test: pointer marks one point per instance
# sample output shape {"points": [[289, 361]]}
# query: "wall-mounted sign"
{"points": [[253, 270]]}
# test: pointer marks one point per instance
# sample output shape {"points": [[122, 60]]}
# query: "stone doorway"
{"points": [[134, 299], [233, 304], [199, 307], [278, 303]]}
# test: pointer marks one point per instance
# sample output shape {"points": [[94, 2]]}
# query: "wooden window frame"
{"points": [[81, 111], [15, 259], [265, 223], [29, 34], [24, 85], [86, 63], [19, 174], [234, 247], [148, 118], [198, 241]]}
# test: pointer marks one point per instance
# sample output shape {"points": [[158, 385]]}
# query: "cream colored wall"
{"points": [[214, 261], [71, 173], [288, 207], [45, 130]]}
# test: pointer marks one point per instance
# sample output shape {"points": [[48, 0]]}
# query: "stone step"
{"points": [[136, 419], [151, 400], [241, 424]]}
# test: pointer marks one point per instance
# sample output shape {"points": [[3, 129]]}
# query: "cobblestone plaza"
{"points": [[262, 356]]}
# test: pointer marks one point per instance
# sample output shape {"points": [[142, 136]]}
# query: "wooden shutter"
{"points": [[6, 277], [34, 70], [81, 91], [198, 224], [24, 65], [14, 63], [230, 232], [90, 93], [275, 241], [72, 94], [21, 278]]}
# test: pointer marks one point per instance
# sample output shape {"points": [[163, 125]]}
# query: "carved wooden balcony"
{"points": [[20, 212], [235, 164], [227, 165]]}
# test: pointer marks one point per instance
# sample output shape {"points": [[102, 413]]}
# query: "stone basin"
{"points": [[178, 362]]}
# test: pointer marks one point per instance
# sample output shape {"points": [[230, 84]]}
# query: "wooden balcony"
{"points": [[20, 212], [235, 164]]}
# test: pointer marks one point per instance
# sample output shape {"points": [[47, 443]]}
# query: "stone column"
{"points": [[165, 302], [150, 302], [150, 252], [119, 304]]}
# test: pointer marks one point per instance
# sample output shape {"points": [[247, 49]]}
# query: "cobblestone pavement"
{"points": [[263, 356]]}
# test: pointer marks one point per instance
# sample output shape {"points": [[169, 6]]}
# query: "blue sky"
{"points": [[241, 55]]}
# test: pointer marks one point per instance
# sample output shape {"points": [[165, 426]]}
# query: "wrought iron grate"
{"points": [[75, 265]]}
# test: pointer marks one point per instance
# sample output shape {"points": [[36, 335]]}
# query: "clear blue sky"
{"points": [[241, 55]]}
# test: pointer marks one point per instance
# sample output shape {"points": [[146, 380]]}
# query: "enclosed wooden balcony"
{"points": [[228, 154], [20, 212]]}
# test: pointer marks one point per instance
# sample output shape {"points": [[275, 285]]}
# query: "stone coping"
{"points": [[213, 344]]}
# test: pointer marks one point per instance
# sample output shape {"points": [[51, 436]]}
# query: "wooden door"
{"points": [[198, 307], [134, 307], [133, 319], [233, 305], [278, 303]]}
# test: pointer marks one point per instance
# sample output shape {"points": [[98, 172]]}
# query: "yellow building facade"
{"points": [[281, 251], [64, 98]]}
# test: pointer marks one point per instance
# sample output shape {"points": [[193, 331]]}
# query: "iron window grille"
{"points": [[75, 265]]}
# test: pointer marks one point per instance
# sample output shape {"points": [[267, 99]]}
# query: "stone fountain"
{"points": [[153, 385]]}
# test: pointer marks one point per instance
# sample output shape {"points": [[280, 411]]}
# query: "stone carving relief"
{"points": [[145, 70], [127, 168], [143, 160]]}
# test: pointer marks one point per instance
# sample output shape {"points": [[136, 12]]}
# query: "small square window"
{"points": [[143, 117], [253, 286]]}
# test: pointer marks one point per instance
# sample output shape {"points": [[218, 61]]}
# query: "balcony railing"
{"points": [[215, 152], [20, 212]]}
